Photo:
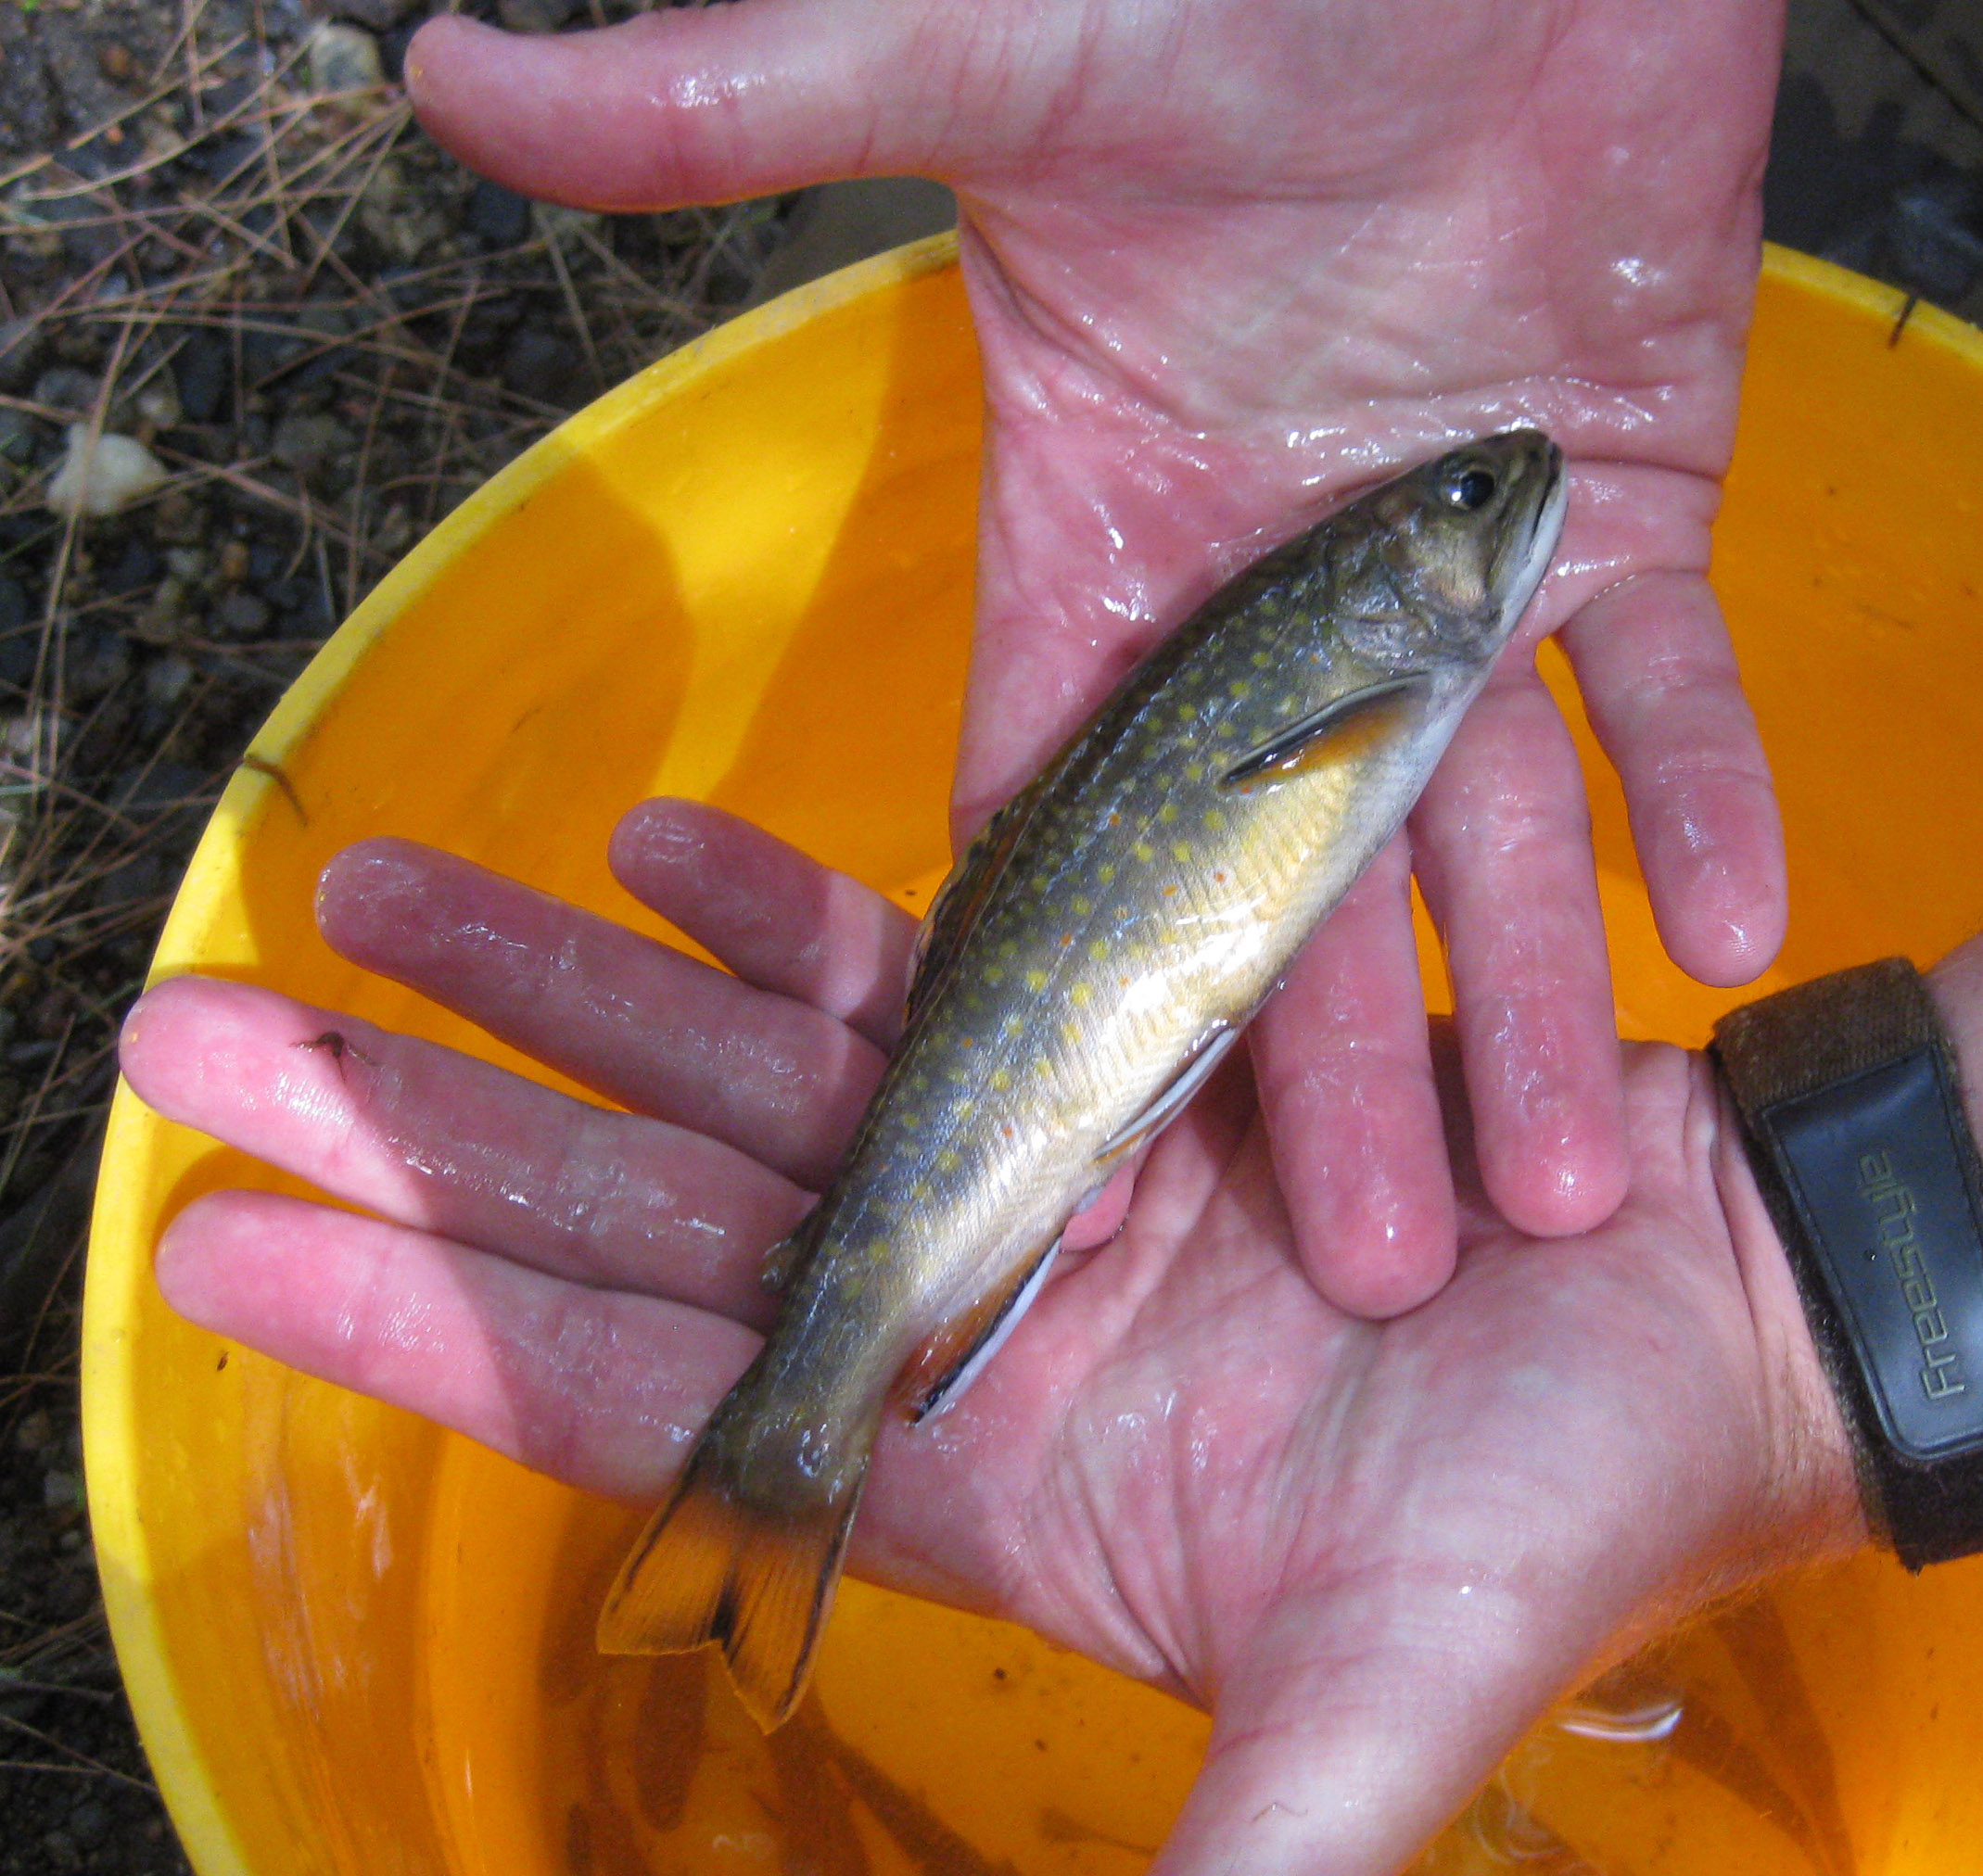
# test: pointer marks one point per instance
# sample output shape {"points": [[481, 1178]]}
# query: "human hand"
{"points": [[1375, 1552], [1229, 260]]}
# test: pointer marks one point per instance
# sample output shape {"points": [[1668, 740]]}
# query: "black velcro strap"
{"points": [[1852, 1114]]}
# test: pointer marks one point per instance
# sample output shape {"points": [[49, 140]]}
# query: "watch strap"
{"points": [[1852, 1115]]}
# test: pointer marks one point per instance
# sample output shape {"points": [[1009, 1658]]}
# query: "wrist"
{"points": [[1808, 1505]]}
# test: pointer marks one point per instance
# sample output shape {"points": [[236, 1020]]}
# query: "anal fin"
{"points": [[983, 1334]]}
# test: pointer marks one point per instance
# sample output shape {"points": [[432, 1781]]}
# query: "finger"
{"points": [[1658, 676], [598, 1387], [1501, 843], [703, 105], [1347, 1087], [778, 919], [1359, 1720], [435, 1140], [645, 1025]]}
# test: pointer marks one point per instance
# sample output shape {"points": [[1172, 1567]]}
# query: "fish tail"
{"points": [[745, 1553]]}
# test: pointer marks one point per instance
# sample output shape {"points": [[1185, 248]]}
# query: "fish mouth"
{"points": [[1545, 527]]}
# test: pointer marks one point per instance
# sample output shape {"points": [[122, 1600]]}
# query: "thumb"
{"points": [[1359, 1720], [685, 104]]}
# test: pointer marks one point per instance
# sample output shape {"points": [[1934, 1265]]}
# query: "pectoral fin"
{"points": [[1342, 727]]}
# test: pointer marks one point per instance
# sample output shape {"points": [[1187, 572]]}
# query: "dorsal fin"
{"points": [[959, 900], [1342, 727]]}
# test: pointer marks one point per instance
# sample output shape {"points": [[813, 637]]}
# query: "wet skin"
{"points": [[1229, 260], [1374, 1551]]}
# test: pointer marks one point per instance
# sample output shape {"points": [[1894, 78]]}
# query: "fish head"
{"points": [[1466, 539]]}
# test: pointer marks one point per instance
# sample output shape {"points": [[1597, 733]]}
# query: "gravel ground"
{"points": [[229, 246]]}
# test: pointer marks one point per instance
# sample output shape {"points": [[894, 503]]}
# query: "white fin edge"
{"points": [[1165, 1107], [951, 1389]]}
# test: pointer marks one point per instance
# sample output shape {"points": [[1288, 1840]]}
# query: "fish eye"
{"points": [[1470, 489]]}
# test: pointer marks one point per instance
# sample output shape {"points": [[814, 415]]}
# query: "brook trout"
{"points": [[1092, 955]]}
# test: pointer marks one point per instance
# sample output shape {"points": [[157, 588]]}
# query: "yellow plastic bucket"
{"points": [[356, 1643]]}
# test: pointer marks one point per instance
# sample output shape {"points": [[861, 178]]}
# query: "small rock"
{"points": [[159, 404], [62, 388], [500, 216], [533, 15], [541, 366], [103, 662], [241, 615], [178, 520], [114, 57], [89, 1822], [136, 569], [343, 57], [61, 1491], [381, 16], [188, 562], [201, 369], [167, 679], [35, 1431], [133, 882], [308, 441], [556, 222], [232, 567], [100, 477], [23, 346], [16, 436], [60, 1848]]}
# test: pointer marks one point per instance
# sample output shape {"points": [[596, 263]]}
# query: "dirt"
{"points": [[327, 333]]}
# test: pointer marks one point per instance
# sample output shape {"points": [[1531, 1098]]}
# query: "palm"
{"points": [[1374, 1549], [1227, 261]]}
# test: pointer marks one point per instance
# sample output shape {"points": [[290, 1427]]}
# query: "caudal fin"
{"points": [[716, 1565]]}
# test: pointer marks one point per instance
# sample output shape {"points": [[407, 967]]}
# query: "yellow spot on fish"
{"points": [[1168, 812], [1078, 994], [1097, 949], [1241, 689], [995, 973], [1001, 1079], [1083, 906], [1180, 850], [919, 1192], [964, 1110], [1262, 660], [1144, 851], [1070, 1031], [1194, 771], [1105, 872], [946, 1161], [1013, 1025], [1035, 979], [1215, 820]]}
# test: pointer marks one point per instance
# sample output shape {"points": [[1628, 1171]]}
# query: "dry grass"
{"points": [[327, 337]]}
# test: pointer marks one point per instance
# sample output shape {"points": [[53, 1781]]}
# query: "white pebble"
{"points": [[101, 479], [343, 57]]}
